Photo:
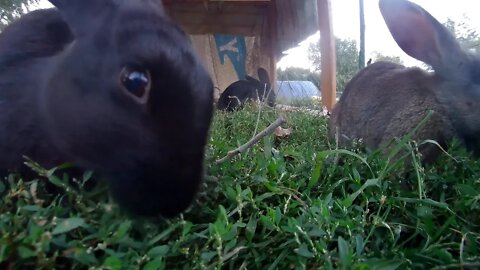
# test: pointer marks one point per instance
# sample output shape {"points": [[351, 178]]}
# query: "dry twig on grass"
{"points": [[280, 120]]}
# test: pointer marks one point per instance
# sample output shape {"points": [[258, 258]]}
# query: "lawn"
{"points": [[297, 202]]}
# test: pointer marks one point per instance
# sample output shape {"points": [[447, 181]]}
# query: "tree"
{"points": [[11, 9], [299, 74], [468, 37], [347, 60], [378, 56]]}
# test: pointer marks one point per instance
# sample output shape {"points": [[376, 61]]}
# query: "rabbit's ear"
{"points": [[60, 4], [251, 79], [263, 76], [84, 15], [81, 15], [79, 6], [419, 34]]}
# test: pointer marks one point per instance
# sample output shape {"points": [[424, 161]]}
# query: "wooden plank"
{"points": [[361, 58], [241, 1], [272, 46], [327, 49], [220, 18], [297, 20], [230, 8], [169, 2], [197, 19], [194, 29], [236, 21]]}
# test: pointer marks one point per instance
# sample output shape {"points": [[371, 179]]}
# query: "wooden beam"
{"points": [[327, 50], [273, 38], [196, 29], [361, 56], [240, 1], [168, 2], [227, 18]]}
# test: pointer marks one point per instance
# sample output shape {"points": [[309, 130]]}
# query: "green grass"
{"points": [[307, 102], [307, 206]]}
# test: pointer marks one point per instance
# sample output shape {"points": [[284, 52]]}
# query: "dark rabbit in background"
{"points": [[112, 86], [238, 93], [387, 100]]}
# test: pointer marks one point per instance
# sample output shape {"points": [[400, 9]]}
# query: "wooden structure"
{"points": [[327, 44], [235, 37]]}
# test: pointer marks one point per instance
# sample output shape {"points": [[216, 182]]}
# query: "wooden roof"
{"points": [[281, 23], [288, 21]]}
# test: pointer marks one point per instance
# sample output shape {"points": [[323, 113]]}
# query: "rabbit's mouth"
{"points": [[162, 188]]}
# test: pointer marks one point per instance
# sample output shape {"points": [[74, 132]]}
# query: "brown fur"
{"points": [[369, 108], [386, 100]]}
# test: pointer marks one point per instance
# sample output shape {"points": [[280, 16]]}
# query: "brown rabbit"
{"points": [[387, 100]]}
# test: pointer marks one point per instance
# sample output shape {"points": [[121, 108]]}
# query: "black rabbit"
{"points": [[239, 92], [112, 86]]}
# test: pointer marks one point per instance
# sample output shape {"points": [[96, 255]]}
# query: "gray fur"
{"points": [[386, 100]]}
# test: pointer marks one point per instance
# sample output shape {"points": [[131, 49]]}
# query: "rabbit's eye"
{"points": [[136, 81]]}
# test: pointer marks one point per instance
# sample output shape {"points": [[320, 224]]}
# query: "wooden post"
{"points": [[272, 21], [327, 50], [361, 56]]}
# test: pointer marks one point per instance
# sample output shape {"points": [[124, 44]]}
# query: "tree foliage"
{"points": [[378, 56], [299, 74], [11, 9], [468, 37], [347, 60]]}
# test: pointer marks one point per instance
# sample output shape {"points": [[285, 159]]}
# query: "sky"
{"points": [[346, 20]]}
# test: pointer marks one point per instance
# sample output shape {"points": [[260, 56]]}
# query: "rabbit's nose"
{"points": [[162, 188]]}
